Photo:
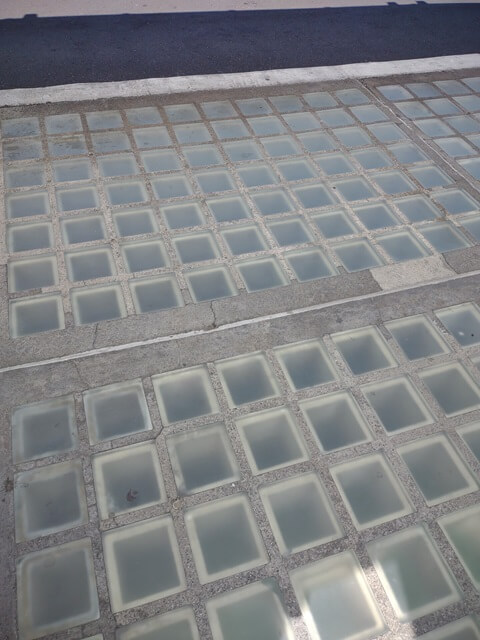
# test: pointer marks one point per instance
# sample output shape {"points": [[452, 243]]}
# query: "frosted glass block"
{"points": [[300, 499], [257, 175], [254, 611], [24, 205], [266, 126], [314, 195], [320, 100], [288, 231], [218, 109], [82, 229], [186, 394], [352, 97], [179, 216], [32, 273], [413, 573], [56, 589], [272, 202], [192, 133], [463, 322], [473, 83], [202, 459], [353, 137], [371, 491], [155, 294], [437, 469], [242, 151], [376, 216], [202, 155], [126, 192], [262, 273], [423, 89], [435, 128], [112, 141], [286, 104], [196, 247], [457, 201], [134, 222], [372, 158], [49, 499], [63, 123], [417, 337], [369, 113], [121, 165], [34, 315], [104, 120], [475, 139], [79, 198], [87, 265], [314, 142], [32, 176], [387, 132], [364, 350], [210, 284], [116, 410], [461, 529], [334, 224], [417, 208], [336, 421], [143, 116], [228, 209], [244, 239], [430, 177], [18, 127], [356, 255], [469, 103], [215, 180], [182, 112], [152, 137], [354, 189], [171, 187], [253, 106], [224, 538], [463, 629], [335, 117], [96, 304], [72, 170], [472, 165], [395, 92], [26, 237], [167, 160], [22, 150], [407, 153], [127, 478], [296, 169], [472, 225], [401, 246], [143, 563], [334, 163], [247, 379], [141, 256], [326, 589], [413, 110], [471, 434], [304, 121], [452, 387], [444, 236], [393, 182], [442, 106], [175, 625], [228, 129], [309, 264], [306, 364], [464, 124]]}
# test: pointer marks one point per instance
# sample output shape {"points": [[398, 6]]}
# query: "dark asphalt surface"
{"points": [[36, 52]]}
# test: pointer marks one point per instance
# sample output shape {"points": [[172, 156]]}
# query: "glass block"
{"points": [[354, 189], [326, 589], [457, 201], [469, 103], [72, 170], [306, 364], [228, 129], [253, 106], [79, 198], [376, 216], [247, 379], [87, 265], [179, 216], [82, 229], [121, 165], [215, 180], [26, 237], [182, 112], [393, 182], [413, 573], [126, 192], [152, 137], [309, 264], [167, 160], [352, 97], [286, 104], [368, 114], [417, 337], [353, 137], [111, 141], [192, 133], [471, 434], [463, 629], [398, 405], [336, 421], [22, 150], [224, 538], [413, 110], [202, 155], [335, 117], [32, 273], [143, 116], [196, 247], [334, 224], [228, 209], [444, 236], [257, 175], [304, 121], [244, 239], [473, 83], [272, 202], [463, 322], [395, 92], [34, 315], [475, 139], [371, 491], [314, 195], [435, 128], [461, 529], [430, 176], [452, 387], [19, 127], [334, 163], [218, 109], [464, 124], [442, 106], [116, 410], [175, 625], [402, 245], [372, 158], [63, 123], [262, 273], [96, 304], [242, 151], [210, 284], [202, 459], [155, 294], [288, 231], [56, 589], [320, 100], [143, 563], [423, 90], [254, 611], [356, 255], [364, 350], [437, 469], [315, 141], [472, 165], [472, 225], [49, 499], [104, 120], [141, 256], [171, 187], [127, 478], [417, 208], [22, 205], [32, 176], [134, 222], [182, 395], [407, 153], [266, 126], [300, 499], [296, 169], [386, 132]]}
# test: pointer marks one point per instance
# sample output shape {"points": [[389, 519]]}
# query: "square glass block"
{"points": [[218, 109], [306, 364], [368, 114], [266, 126], [300, 499], [413, 573], [192, 133], [472, 225], [180, 216], [335, 117], [463, 629], [272, 202], [395, 92], [253, 106], [304, 121], [296, 169], [228, 209], [56, 589], [215, 180], [371, 491], [32, 273], [43, 428], [376, 216], [354, 189], [178, 624], [397, 404], [444, 236], [152, 137], [104, 120], [352, 97], [455, 147], [242, 151], [202, 459], [314, 195], [352, 137], [63, 123], [247, 379], [471, 435], [387, 132], [182, 112], [166, 160], [211, 283], [254, 611], [49, 499], [443, 106], [116, 410], [372, 158], [262, 273], [244, 239], [271, 440], [34, 315], [111, 141], [202, 155], [452, 387], [334, 224], [224, 538], [143, 116], [402, 245], [257, 175], [288, 231], [77, 198], [142, 256], [134, 222], [393, 182], [19, 127], [24, 205], [117, 165], [196, 247], [22, 150], [175, 186], [229, 129], [126, 192], [315, 141], [182, 395], [286, 104], [142, 562], [356, 255], [82, 229], [417, 208], [472, 165], [72, 170], [334, 163], [309, 264], [326, 589], [473, 83], [364, 350], [89, 264], [461, 529], [423, 90], [437, 469], [320, 100], [413, 109], [434, 128], [67, 146], [26, 237], [335, 421], [407, 153], [456, 201], [127, 478], [32, 176], [464, 124], [463, 322], [155, 294], [96, 304], [430, 176], [469, 103]]}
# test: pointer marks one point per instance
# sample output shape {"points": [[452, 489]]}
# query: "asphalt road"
{"points": [[36, 52]]}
